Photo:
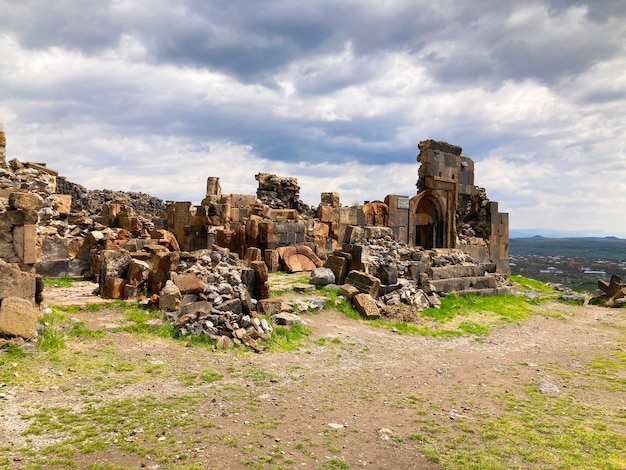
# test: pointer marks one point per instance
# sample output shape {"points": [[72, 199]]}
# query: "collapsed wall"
{"points": [[91, 201], [447, 238]]}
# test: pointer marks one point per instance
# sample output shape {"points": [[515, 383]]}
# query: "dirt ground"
{"points": [[355, 393]]}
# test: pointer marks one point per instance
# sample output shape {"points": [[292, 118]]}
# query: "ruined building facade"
{"points": [[41, 230], [448, 237], [449, 211]]}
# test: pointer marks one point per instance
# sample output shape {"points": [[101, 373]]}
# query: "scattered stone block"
{"points": [[349, 291], [262, 290], [339, 266], [95, 236], [114, 288], [138, 272], [189, 283], [388, 274], [366, 283], [330, 199], [253, 254], [224, 342], [113, 264], [261, 273], [366, 305], [270, 306], [156, 280], [170, 298], [353, 234], [272, 259], [299, 258], [287, 319], [165, 238], [166, 260], [18, 317]]}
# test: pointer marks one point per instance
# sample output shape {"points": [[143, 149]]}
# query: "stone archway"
{"points": [[430, 226]]}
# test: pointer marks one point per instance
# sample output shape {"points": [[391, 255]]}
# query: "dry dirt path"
{"points": [[354, 393]]}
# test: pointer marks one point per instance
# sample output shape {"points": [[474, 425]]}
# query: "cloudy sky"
{"points": [[156, 96]]}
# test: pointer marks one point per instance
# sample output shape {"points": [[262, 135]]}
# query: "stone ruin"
{"points": [[612, 293], [207, 266]]}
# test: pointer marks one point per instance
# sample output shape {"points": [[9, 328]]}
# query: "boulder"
{"points": [[322, 277], [18, 317], [189, 283], [286, 318], [170, 298]]}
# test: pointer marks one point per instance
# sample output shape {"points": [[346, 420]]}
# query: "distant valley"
{"points": [[608, 248], [576, 262]]}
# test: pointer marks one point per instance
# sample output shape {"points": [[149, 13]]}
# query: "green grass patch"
{"points": [[287, 338], [60, 281], [482, 310], [531, 430], [532, 284], [133, 425], [52, 336], [206, 376], [508, 307]]}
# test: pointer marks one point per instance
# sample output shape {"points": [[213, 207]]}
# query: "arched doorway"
{"points": [[430, 225]]}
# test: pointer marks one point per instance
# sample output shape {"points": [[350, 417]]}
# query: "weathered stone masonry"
{"points": [[448, 237]]}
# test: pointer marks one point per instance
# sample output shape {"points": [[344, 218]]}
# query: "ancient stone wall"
{"points": [[278, 192], [25, 192]]}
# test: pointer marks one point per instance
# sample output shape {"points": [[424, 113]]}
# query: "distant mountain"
{"points": [[551, 233]]}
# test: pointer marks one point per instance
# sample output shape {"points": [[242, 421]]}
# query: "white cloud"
{"points": [[158, 98]]}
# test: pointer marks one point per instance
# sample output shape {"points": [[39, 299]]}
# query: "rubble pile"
{"points": [[206, 292], [70, 246], [215, 301], [392, 273], [91, 201]]}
